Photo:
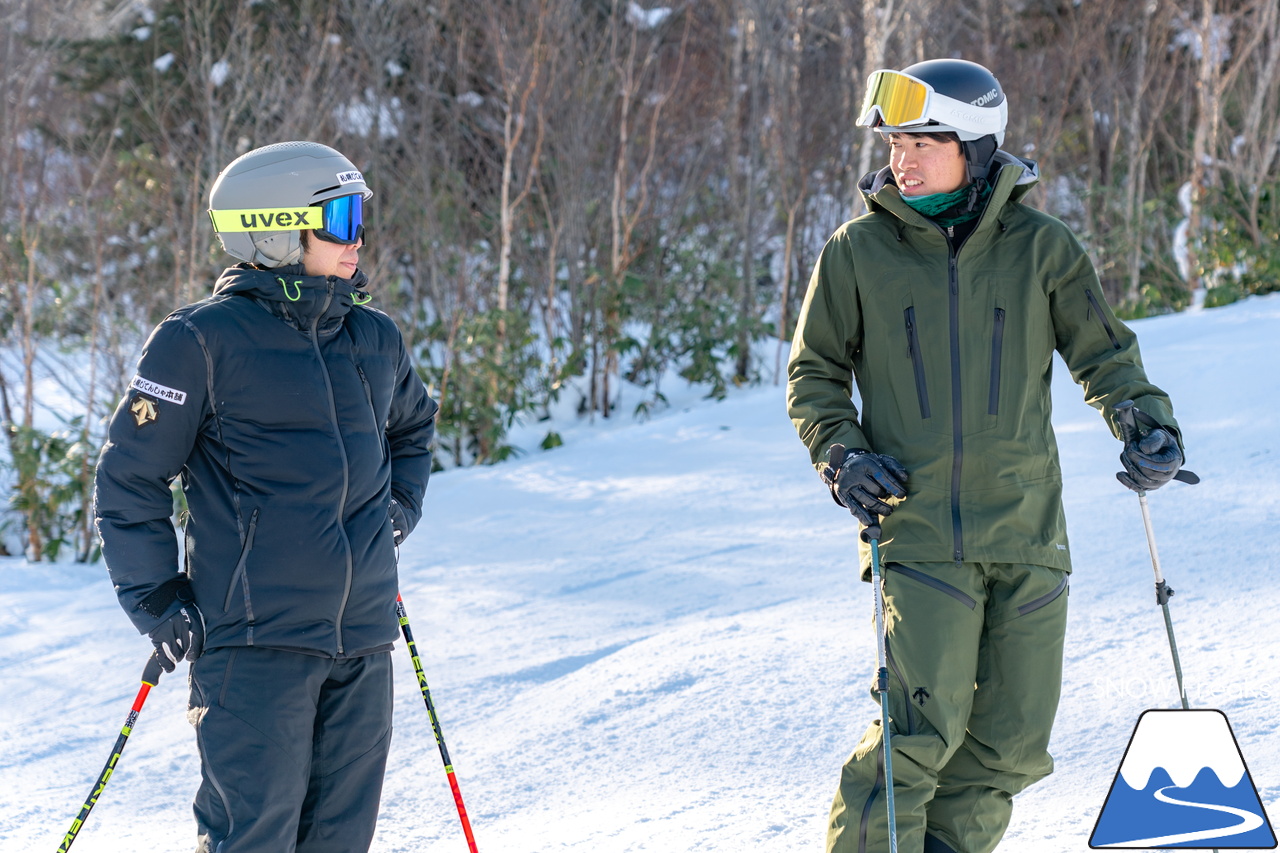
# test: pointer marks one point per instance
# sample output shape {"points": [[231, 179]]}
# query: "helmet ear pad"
{"points": [[268, 249], [277, 249], [978, 156]]}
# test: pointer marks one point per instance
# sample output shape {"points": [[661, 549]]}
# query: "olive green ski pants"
{"points": [[975, 671]]}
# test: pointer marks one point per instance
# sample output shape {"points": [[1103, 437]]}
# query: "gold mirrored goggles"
{"points": [[899, 100]]}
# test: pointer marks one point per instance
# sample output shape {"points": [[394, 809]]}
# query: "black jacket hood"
{"points": [[295, 297]]}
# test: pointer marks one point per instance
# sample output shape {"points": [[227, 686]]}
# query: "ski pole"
{"points": [[1127, 415], [150, 677], [1127, 421], [871, 535], [435, 724]]}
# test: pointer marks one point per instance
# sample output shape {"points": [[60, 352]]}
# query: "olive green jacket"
{"points": [[952, 354]]}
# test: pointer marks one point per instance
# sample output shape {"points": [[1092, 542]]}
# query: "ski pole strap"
{"points": [[157, 602]]}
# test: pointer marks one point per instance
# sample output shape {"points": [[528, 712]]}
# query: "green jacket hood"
{"points": [[1014, 177]]}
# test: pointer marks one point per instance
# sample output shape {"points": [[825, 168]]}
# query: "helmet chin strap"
{"points": [[978, 155]]}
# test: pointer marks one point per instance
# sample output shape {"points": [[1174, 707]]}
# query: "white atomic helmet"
{"points": [[937, 96]]}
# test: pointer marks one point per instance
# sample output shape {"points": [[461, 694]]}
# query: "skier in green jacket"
{"points": [[946, 303]]}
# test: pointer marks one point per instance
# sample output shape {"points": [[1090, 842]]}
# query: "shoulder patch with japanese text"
{"points": [[160, 392]]}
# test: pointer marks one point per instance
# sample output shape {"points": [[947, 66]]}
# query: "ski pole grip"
{"points": [[1126, 421], [151, 672], [835, 458]]}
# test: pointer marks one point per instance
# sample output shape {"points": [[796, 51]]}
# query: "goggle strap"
{"points": [[338, 220], [266, 219], [944, 111]]}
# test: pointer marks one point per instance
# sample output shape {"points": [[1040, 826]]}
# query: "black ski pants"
{"points": [[292, 750]]}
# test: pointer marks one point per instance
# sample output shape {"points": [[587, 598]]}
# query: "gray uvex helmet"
{"points": [[287, 175]]}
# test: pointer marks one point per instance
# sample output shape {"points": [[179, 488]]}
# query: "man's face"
{"points": [[321, 258], [924, 166]]}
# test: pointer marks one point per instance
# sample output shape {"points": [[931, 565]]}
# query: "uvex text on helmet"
{"points": [[284, 175]]}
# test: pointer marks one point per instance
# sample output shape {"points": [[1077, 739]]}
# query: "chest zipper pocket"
{"points": [[917, 361], [373, 413], [1102, 318], [241, 574], [368, 392], [997, 349]]}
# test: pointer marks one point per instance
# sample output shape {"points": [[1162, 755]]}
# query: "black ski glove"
{"points": [[399, 525], [180, 637], [1149, 460], [863, 479]]}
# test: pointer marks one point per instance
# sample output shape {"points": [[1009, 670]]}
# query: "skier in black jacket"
{"points": [[301, 434]]}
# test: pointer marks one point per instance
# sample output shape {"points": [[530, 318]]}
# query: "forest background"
{"points": [[574, 195]]}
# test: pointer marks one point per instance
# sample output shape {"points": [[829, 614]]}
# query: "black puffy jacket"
{"points": [[294, 417]]}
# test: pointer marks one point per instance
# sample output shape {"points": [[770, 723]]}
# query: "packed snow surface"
{"points": [[653, 637]]}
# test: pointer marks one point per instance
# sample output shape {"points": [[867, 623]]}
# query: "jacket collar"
{"points": [[303, 301], [1014, 177]]}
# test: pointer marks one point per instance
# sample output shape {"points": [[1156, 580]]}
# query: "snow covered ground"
{"points": [[652, 638]]}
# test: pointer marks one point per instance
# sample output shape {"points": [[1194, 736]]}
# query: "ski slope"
{"points": [[653, 638]]}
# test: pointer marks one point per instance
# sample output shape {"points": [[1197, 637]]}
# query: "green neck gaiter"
{"points": [[951, 208]]}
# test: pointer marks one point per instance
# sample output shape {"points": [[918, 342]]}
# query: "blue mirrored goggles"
{"points": [[343, 220]]}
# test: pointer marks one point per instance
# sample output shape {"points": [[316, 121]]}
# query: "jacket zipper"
{"points": [[342, 453], [917, 361], [997, 347], [1102, 318], [957, 407]]}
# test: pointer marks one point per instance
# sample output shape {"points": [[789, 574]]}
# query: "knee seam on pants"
{"points": [[217, 787], [372, 748]]}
